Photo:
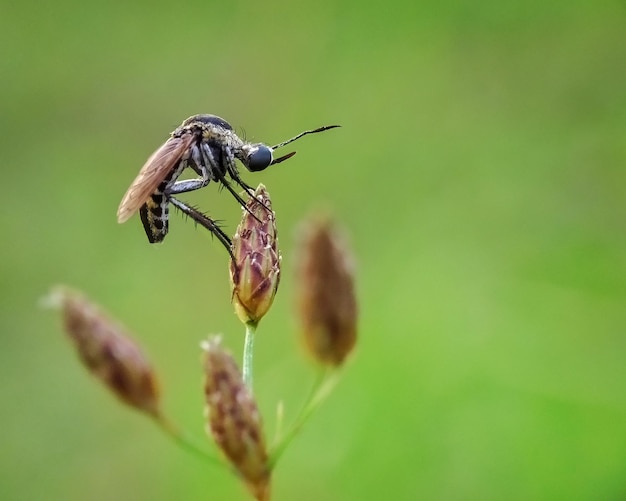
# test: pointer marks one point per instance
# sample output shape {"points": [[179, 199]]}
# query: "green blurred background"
{"points": [[480, 174]]}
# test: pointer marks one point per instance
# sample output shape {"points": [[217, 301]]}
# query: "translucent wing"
{"points": [[153, 172]]}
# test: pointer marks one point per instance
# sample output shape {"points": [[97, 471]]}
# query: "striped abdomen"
{"points": [[155, 217], [155, 212]]}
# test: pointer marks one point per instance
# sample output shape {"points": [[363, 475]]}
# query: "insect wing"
{"points": [[152, 174]]}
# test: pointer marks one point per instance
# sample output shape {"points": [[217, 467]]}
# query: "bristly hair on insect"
{"points": [[208, 145]]}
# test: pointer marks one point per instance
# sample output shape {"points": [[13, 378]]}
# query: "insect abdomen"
{"points": [[155, 217]]}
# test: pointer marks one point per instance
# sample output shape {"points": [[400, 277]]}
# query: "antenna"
{"points": [[321, 129]]}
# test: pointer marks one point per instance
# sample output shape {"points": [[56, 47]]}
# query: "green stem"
{"points": [[322, 387], [248, 354], [185, 442]]}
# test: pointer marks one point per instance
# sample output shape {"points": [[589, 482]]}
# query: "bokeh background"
{"points": [[480, 174]]}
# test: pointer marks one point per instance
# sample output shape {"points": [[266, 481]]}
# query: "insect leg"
{"points": [[210, 159], [234, 173], [231, 167], [229, 159], [187, 185], [204, 221], [192, 184]]}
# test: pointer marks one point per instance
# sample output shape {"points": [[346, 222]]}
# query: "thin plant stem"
{"points": [[322, 387], [185, 442], [248, 354]]}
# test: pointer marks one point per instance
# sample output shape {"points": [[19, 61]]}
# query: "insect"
{"points": [[208, 145]]}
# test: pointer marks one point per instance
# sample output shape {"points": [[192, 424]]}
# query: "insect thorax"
{"points": [[214, 134]]}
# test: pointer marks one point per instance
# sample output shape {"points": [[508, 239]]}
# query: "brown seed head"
{"points": [[326, 298], [255, 269], [108, 353], [233, 418]]}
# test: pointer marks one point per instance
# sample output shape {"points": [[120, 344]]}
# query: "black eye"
{"points": [[260, 158]]}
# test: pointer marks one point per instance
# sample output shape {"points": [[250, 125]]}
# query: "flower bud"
{"points": [[255, 269], [234, 420], [326, 299], [108, 353]]}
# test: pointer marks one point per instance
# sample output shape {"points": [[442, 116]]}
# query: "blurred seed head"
{"points": [[106, 350], [326, 298], [255, 269], [233, 418]]}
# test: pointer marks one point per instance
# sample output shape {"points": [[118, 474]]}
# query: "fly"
{"points": [[208, 145]]}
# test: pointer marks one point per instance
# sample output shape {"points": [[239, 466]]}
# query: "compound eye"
{"points": [[260, 158]]}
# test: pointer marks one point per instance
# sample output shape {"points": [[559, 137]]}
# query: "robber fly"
{"points": [[208, 145]]}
